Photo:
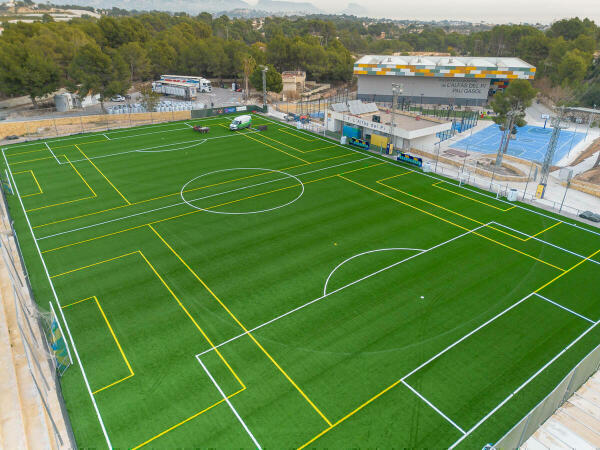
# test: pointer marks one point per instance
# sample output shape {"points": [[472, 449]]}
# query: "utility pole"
{"points": [[264, 80]]}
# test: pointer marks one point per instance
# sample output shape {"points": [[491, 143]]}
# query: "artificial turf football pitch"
{"points": [[276, 289]]}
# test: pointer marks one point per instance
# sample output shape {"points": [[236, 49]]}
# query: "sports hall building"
{"points": [[437, 80]]}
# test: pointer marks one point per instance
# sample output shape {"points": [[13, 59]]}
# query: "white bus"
{"points": [[202, 84]]}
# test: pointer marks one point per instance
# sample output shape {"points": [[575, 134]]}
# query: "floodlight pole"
{"points": [[565, 196], [396, 89], [587, 130], [508, 125], [264, 82]]}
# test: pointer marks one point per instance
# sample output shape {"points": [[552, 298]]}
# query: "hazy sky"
{"points": [[500, 11]]}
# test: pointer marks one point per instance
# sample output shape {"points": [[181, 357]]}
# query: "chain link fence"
{"points": [[529, 424], [76, 122], [35, 329]]}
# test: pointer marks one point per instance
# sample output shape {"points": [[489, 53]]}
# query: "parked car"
{"points": [[12, 137], [590, 216], [117, 98]]}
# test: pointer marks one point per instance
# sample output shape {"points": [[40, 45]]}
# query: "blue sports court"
{"points": [[530, 142]]}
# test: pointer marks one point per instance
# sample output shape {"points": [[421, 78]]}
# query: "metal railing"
{"points": [[529, 424], [33, 326]]}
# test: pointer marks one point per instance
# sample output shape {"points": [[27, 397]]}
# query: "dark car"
{"points": [[590, 216], [12, 137]]}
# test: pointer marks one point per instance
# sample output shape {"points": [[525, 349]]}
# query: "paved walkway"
{"points": [[576, 424]]}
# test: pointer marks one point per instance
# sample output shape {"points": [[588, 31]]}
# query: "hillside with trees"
{"points": [[107, 55]]}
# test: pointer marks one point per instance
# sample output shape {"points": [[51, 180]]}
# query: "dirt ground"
{"points": [[591, 176], [489, 164], [593, 148]]}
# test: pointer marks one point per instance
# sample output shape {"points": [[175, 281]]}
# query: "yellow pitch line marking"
{"points": [[92, 265], [282, 143], [187, 190], [68, 201], [243, 386], [450, 222], [185, 310], [30, 160], [471, 198], [131, 373], [454, 212], [104, 176], [568, 270], [354, 411], [40, 191], [274, 148], [283, 130], [544, 230], [394, 176], [233, 316], [351, 413], [80, 143], [24, 153], [297, 149], [186, 420], [186, 214]]}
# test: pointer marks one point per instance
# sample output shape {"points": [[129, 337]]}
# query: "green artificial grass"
{"points": [[162, 243]]}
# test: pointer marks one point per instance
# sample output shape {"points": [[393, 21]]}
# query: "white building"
{"points": [[375, 126]]}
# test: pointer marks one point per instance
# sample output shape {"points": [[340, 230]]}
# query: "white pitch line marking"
{"points": [[472, 332], [535, 238], [195, 199], [433, 407], [55, 295], [48, 147], [365, 253], [335, 291], [333, 142], [564, 307], [230, 404], [516, 391]]}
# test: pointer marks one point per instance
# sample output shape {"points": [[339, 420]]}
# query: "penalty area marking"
{"points": [[210, 349], [245, 212], [366, 253], [173, 149], [229, 404]]}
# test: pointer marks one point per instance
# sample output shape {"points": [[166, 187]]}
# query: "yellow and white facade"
{"points": [[437, 79]]}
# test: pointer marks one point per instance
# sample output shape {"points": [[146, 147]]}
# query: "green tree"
{"points": [[248, 66], [96, 72], [162, 57], [585, 43], [516, 98], [136, 58], [534, 48], [273, 78], [591, 97], [149, 98], [510, 107], [572, 68], [26, 71]]}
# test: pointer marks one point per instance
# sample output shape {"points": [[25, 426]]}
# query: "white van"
{"points": [[241, 122]]}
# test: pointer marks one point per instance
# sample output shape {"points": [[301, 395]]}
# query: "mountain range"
{"points": [[279, 7]]}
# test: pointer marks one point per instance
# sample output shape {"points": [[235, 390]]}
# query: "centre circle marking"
{"points": [[244, 212]]}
